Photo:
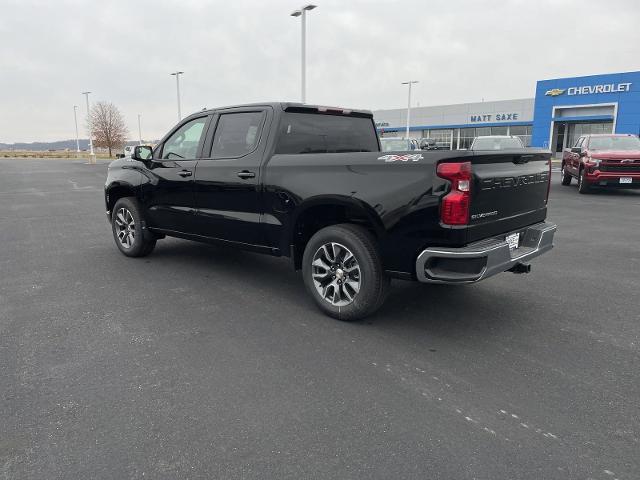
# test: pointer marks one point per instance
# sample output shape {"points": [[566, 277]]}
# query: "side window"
{"points": [[184, 142], [237, 134], [579, 142]]}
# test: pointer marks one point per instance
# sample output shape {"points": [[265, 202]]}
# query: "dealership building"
{"points": [[561, 111]]}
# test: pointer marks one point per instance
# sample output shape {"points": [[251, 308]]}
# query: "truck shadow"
{"points": [[446, 308], [615, 192], [612, 192]]}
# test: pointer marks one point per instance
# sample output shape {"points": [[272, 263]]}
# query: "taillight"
{"points": [[455, 204]]}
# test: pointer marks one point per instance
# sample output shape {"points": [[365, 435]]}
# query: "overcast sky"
{"points": [[240, 51]]}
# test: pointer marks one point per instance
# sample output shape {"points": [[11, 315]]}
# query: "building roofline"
{"points": [[457, 104], [588, 76]]}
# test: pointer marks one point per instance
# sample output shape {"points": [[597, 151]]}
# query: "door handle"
{"points": [[246, 174], [185, 173]]}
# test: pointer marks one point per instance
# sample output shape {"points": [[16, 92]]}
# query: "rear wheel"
{"points": [[126, 224], [583, 186], [343, 272], [566, 176]]}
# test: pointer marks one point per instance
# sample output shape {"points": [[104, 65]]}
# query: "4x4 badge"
{"points": [[412, 157]]}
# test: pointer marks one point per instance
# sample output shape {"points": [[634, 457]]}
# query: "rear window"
{"points": [[490, 143], [394, 144], [319, 133]]}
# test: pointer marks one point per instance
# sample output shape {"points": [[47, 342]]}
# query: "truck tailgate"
{"points": [[510, 191]]}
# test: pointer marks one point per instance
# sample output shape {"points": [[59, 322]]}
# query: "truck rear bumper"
{"points": [[485, 258]]}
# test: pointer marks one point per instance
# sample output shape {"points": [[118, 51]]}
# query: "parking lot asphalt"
{"points": [[204, 362]]}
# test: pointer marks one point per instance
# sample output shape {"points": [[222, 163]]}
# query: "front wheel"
{"points": [[126, 224], [343, 272], [566, 176], [583, 185]]}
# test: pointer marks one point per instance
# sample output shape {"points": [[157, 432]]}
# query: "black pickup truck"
{"points": [[310, 183]]}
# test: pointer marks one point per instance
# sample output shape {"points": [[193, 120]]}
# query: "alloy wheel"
{"points": [[336, 274], [125, 227]]}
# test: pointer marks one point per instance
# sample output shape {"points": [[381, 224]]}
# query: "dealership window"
{"points": [[443, 137], [466, 137], [483, 131], [523, 132]]}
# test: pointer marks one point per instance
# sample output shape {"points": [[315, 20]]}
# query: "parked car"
{"points": [[127, 151], [603, 160], [428, 144], [310, 183], [398, 144], [496, 142]]}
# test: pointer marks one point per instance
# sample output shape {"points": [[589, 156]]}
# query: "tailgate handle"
{"points": [[522, 159]]}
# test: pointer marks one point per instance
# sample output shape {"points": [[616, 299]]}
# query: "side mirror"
{"points": [[142, 153]]}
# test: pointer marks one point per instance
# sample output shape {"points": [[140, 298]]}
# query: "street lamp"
{"points": [[75, 119], [410, 82], [92, 156], [303, 13], [177, 75], [139, 129]]}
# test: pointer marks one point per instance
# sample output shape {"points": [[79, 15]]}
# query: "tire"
{"points": [[127, 227], [566, 177], [342, 271], [583, 186]]}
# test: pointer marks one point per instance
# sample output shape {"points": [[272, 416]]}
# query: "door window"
{"points": [[184, 142], [237, 134]]}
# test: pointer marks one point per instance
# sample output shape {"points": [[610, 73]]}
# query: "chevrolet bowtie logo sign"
{"points": [[554, 92]]}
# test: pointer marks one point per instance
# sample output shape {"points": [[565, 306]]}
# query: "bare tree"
{"points": [[107, 126]]}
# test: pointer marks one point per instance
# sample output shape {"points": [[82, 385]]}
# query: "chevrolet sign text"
{"points": [[606, 88]]}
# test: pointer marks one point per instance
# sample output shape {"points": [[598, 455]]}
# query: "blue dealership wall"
{"points": [[568, 92]]}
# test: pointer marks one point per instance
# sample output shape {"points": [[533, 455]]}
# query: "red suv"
{"points": [[603, 160]]}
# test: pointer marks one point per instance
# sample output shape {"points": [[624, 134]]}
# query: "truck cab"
{"points": [[312, 183], [603, 160]]}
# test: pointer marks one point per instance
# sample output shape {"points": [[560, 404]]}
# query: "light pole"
{"points": [[92, 156], [75, 119], [139, 129], [303, 47], [410, 82], [177, 75]]}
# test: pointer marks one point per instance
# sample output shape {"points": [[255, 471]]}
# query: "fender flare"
{"points": [[368, 212]]}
